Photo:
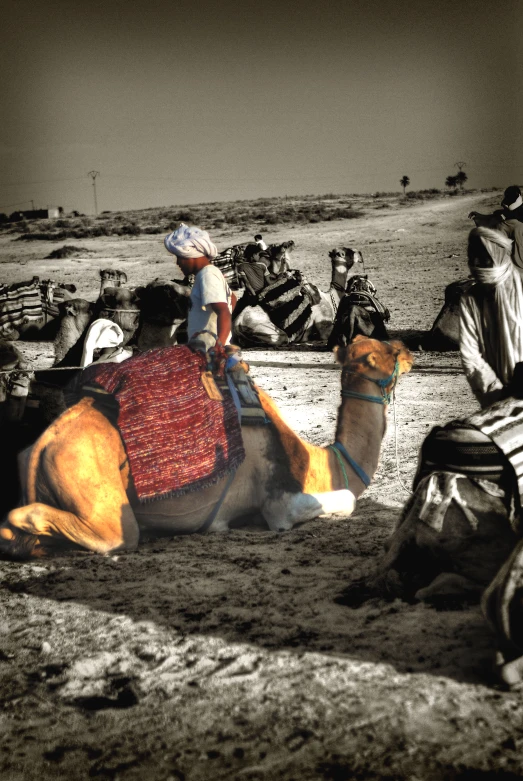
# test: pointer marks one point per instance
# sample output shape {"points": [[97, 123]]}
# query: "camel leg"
{"points": [[74, 486], [283, 513], [98, 532]]}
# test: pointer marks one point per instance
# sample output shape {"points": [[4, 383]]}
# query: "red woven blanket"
{"points": [[177, 439]]}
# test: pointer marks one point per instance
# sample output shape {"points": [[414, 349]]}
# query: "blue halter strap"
{"points": [[382, 385], [338, 448], [384, 399]]}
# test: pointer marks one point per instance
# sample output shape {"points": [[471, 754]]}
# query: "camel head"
{"points": [[111, 277], [373, 358], [164, 301], [342, 260], [121, 305]]}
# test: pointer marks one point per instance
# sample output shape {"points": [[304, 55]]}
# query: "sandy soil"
{"points": [[228, 656]]}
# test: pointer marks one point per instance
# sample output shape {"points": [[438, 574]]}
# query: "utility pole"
{"points": [[460, 165], [32, 204], [93, 175]]}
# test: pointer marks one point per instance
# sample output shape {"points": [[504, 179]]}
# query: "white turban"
{"points": [[187, 242]]}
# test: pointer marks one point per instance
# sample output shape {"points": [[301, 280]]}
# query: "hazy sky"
{"points": [[180, 102]]}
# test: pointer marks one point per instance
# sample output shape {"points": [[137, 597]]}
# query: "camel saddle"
{"points": [[177, 438]]}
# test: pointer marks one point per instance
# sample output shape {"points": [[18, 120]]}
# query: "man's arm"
{"points": [[224, 324]]}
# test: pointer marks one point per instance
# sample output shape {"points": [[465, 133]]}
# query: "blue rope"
{"points": [[365, 479]]}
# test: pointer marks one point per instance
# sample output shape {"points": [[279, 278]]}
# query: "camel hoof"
{"points": [[16, 545], [449, 590], [511, 673]]}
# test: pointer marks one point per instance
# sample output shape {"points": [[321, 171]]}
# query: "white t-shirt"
{"points": [[209, 287]]}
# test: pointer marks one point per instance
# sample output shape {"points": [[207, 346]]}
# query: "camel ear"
{"points": [[371, 360], [340, 353]]}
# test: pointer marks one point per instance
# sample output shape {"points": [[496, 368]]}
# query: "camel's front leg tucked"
{"points": [[283, 513]]}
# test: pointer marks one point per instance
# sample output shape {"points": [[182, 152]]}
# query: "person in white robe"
{"points": [[491, 317]]}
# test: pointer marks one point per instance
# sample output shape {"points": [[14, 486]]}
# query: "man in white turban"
{"points": [[212, 301], [491, 316]]}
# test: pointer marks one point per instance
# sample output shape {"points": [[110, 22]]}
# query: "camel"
{"points": [[487, 220], [150, 316], [360, 312], [110, 277], [227, 260], [444, 334], [79, 491], [254, 321], [459, 537], [29, 310]]}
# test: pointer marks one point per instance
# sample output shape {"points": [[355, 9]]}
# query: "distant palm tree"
{"points": [[451, 181], [404, 181], [461, 178]]}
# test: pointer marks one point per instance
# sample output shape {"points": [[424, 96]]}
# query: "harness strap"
{"points": [[337, 446], [382, 385], [210, 520], [355, 395], [112, 309], [342, 466]]}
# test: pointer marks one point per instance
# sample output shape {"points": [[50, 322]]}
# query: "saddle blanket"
{"points": [[287, 306], [486, 447], [19, 303], [177, 439]]}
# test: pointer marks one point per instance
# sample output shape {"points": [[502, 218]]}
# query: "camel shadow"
{"points": [[274, 591]]}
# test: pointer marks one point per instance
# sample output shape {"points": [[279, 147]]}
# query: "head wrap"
{"points": [[186, 242], [512, 198], [499, 248]]}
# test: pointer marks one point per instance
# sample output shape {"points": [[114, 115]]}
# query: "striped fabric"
{"points": [[227, 261], [287, 306], [19, 303], [462, 449], [503, 424]]}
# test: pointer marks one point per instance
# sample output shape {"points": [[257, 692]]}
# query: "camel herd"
{"points": [[77, 488]]}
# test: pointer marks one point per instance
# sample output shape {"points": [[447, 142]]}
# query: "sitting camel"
{"points": [[444, 334], [360, 312], [324, 313], [460, 536], [255, 325], [80, 491], [229, 259], [111, 277], [487, 220]]}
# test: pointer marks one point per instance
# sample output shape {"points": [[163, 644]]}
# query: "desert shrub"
{"points": [[346, 213], [184, 217], [62, 224], [67, 251], [153, 229], [271, 219]]}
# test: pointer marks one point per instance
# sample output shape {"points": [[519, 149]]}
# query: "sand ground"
{"points": [[227, 656]]}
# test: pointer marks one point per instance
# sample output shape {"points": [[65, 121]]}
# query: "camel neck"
{"points": [[360, 428]]}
